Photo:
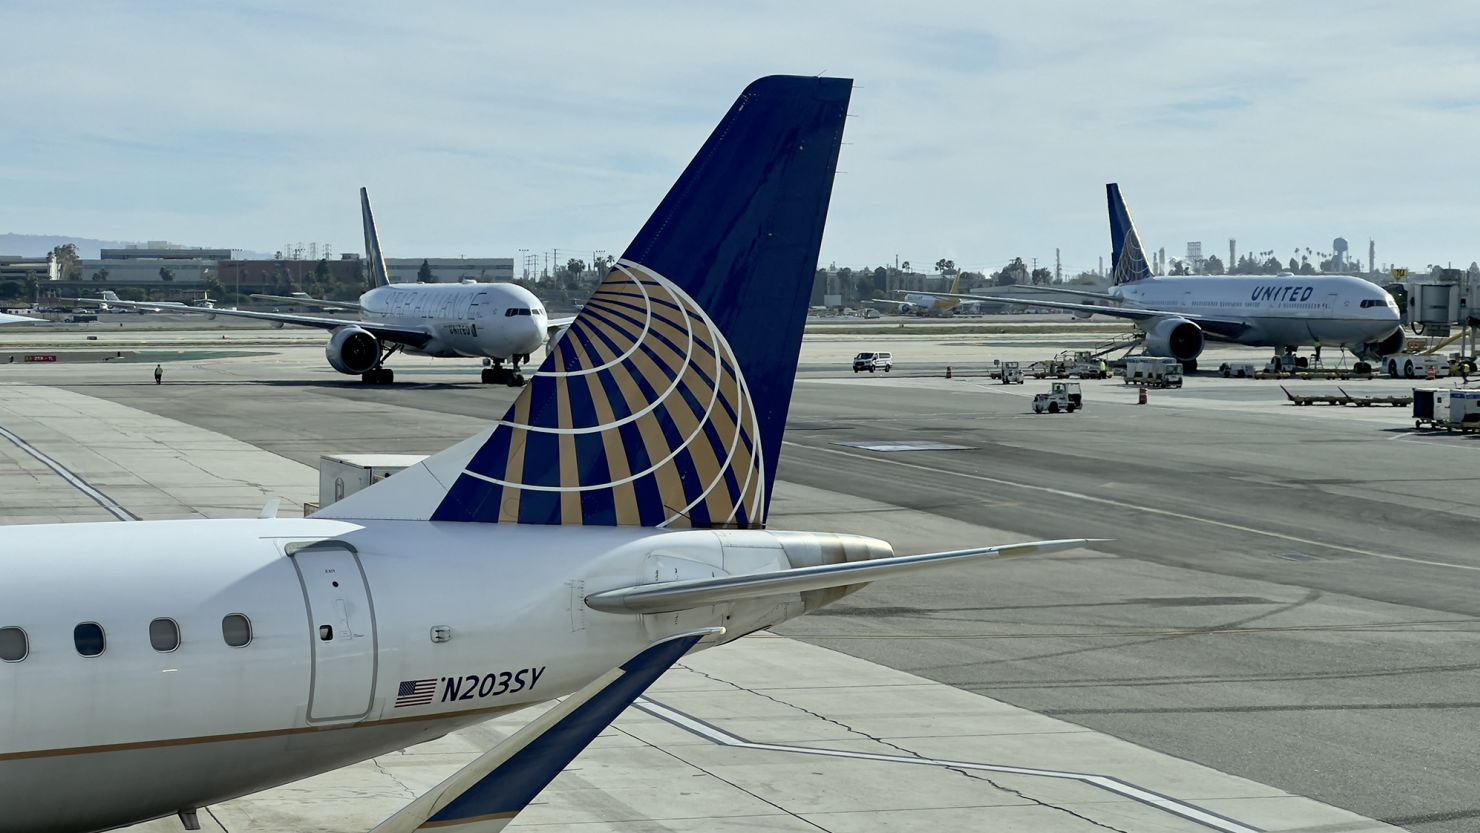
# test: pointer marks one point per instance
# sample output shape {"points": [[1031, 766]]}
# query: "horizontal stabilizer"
{"points": [[485, 795], [681, 595]]}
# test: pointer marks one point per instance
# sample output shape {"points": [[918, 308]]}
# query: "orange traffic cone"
{"points": [[1141, 399]]}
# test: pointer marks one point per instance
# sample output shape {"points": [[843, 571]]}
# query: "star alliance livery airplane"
{"points": [[611, 521], [497, 321], [1179, 314]]}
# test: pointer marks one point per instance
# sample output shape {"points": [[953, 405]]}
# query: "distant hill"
{"points": [[37, 245]]}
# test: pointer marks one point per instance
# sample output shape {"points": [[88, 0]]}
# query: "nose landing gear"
{"points": [[500, 375]]}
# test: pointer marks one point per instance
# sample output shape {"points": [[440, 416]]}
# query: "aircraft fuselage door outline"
{"points": [[341, 630]]}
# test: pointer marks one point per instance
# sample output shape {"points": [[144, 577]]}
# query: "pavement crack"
{"points": [[1024, 796], [904, 750], [410, 793]]}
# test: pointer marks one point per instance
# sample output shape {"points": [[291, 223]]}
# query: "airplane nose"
{"points": [[532, 332]]}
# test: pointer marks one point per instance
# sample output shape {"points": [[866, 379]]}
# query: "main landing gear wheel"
{"points": [[500, 375], [378, 376]]}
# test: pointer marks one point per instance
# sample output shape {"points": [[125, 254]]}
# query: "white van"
{"points": [[872, 362]]}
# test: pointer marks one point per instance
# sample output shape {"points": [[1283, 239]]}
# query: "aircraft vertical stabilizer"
{"points": [[374, 260], [1128, 259], [664, 403]]}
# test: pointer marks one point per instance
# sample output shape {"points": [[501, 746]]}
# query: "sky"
{"points": [[978, 131]]}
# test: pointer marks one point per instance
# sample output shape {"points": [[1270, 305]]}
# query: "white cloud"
{"points": [[981, 131]]}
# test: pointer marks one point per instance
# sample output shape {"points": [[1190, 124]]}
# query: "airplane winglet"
{"points": [[485, 795]]}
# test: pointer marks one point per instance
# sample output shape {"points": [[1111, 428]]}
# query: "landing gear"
{"points": [[500, 375], [380, 374]]}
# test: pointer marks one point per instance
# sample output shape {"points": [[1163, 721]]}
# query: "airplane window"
{"points": [[88, 637], [510, 312], [164, 635], [236, 629], [13, 645]]}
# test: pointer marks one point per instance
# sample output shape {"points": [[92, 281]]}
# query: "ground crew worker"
{"points": [[1318, 352], [1104, 370], [158, 374]]}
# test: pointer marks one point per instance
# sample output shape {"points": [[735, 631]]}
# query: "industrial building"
{"points": [[451, 269]]}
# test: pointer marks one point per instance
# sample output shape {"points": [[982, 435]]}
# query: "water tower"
{"points": [[1338, 246]]}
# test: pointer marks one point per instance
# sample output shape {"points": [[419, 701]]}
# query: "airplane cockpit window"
{"points": [[236, 629], [13, 644], [164, 635], [88, 637], [513, 311]]}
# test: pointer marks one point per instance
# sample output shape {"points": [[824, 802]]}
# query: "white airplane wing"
{"points": [[488, 793], [1078, 292], [411, 336], [1218, 327], [664, 597], [317, 302], [8, 318]]}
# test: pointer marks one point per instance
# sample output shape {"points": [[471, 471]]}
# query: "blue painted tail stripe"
{"points": [[516, 782]]}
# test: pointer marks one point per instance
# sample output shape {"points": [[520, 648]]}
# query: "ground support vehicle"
{"points": [[1071, 391], [1052, 403], [1449, 408], [1367, 401], [1153, 372], [871, 362], [1316, 399], [1405, 366]]}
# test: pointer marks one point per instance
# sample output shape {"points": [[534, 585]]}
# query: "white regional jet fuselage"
{"points": [[475, 320], [1279, 310], [419, 630]]}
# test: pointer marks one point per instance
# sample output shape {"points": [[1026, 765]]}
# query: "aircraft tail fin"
{"points": [[110, 295], [1127, 258], [664, 403], [375, 261], [488, 793]]}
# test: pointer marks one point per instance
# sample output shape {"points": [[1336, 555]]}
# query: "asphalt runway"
{"points": [[1293, 598]]}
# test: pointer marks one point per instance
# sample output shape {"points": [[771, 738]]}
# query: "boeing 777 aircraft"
{"points": [[497, 321], [1179, 314], [613, 519]]}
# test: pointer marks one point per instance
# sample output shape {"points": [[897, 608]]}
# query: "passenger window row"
{"points": [[90, 640]]}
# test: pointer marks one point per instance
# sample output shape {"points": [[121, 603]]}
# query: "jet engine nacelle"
{"points": [[1374, 350], [1177, 338], [353, 350]]}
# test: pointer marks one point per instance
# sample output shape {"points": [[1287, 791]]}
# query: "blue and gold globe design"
{"points": [[640, 416]]}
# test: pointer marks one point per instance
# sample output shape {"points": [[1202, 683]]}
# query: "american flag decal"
{"points": [[416, 692]]}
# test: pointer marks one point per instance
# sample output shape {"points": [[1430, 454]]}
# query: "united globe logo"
{"points": [[639, 416]]}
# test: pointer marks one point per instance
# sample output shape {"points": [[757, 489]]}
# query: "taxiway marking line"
{"points": [[66, 474], [1167, 804], [1149, 510]]}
